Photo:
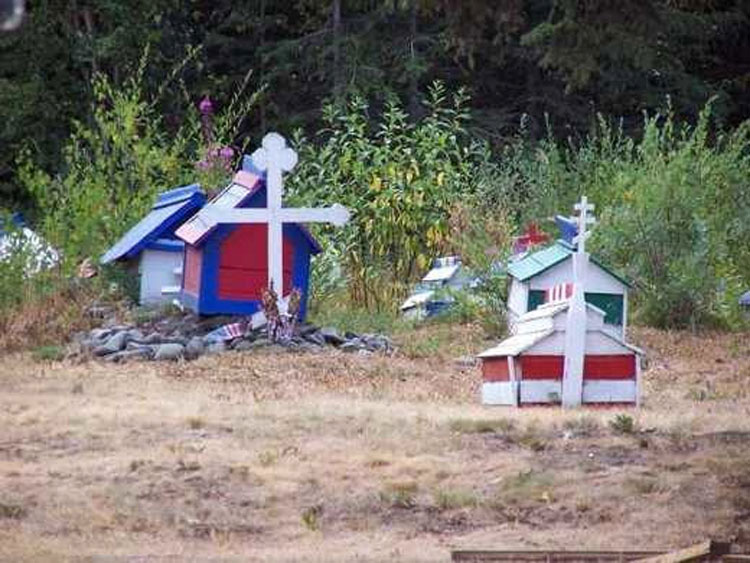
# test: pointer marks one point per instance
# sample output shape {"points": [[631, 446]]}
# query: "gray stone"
{"points": [[308, 347], [143, 353], [194, 348], [243, 345], [316, 338], [332, 336], [135, 334], [114, 343], [351, 346], [100, 333], [152, 338], [261, 342], [169, 351], [307, 329], [216, 348]]}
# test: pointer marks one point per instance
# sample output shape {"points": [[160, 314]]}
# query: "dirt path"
{"points": [[329, 457]]}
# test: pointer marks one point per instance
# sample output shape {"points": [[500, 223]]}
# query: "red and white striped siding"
{"points": [[559, 292], [607, 378]]}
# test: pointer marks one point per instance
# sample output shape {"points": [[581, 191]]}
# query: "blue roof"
{"points": [[537, 262], [171, 209], [745, 299], [16, 220], [568, 228]]}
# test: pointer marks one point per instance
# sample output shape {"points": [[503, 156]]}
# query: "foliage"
{"points": [[399, 179], [482, 234], [622, 424], [564, 58], [115, 165], [671, 206]]}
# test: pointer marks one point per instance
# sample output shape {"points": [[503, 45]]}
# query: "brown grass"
{"points": [[49, 316], [275, 456]]}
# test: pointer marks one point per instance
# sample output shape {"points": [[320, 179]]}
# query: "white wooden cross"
{"points": [[584, 220], [575, 329], [275, 157]]}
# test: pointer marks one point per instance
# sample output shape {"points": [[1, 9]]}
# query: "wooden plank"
{"points": [[736, 558], [695, 552], [471, 556]]}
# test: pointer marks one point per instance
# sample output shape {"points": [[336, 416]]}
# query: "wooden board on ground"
{"points": [[707, 551], [471, 556]]}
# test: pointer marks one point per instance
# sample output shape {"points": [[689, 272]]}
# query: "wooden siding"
{"points": [[243, 264], [620, 366], [192, 270], [496, 369], [542, 367]]}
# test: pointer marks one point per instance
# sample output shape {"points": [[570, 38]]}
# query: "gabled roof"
{"points": [[516, 344], [171, 208], [441, 273], [244, 185], [522, 341], [538, 262]]}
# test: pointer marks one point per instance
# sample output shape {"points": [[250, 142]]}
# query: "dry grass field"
{"points": [[275, 456]]}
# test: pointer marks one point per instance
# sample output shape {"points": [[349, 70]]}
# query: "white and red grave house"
{"points": [[562, 352]]}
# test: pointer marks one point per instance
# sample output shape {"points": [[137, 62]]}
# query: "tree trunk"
{"points": [[413, 78], [262, 64], [336, 30]]}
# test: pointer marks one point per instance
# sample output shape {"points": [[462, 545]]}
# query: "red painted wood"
{"points": [[542, 367], [619, 366], [192, 270], [246, 248], [243, 264], [495, 369], [246, 179]]}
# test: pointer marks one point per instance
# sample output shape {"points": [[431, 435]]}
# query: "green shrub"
{"points": [[671, 205], [622, 424], [116, 162], [400, 179]]}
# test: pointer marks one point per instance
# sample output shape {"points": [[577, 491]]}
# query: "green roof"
{"points": [[542, 260]]}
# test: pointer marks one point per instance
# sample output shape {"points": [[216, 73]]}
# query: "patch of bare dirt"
{"points": [[334, 457]]}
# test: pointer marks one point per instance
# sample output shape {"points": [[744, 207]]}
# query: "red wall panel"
{"points": [[621, 366], [542, 367], [243, 264], [495, 369], [192, 270]]}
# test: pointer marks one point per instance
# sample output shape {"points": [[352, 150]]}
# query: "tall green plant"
{"points": [[673, 207], [399, 178], [118, 160]]}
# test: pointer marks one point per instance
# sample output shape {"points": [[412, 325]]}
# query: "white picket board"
{"points": [[610, 391], [499, 393], [541, 391]]}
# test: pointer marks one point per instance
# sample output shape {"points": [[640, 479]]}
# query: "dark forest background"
{"points": [[551, 64]]}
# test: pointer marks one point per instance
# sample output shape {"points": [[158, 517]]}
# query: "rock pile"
{"points": [[188, 337]]}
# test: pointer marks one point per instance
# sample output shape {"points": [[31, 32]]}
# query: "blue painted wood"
{"points": [[171, 209], [209, 302], [568, 228], [167, 245], [249, 166]]}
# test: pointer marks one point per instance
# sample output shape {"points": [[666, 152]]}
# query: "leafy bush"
{"points": [[400, 179], [672, 209], [117, 161], [622, 424]]}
